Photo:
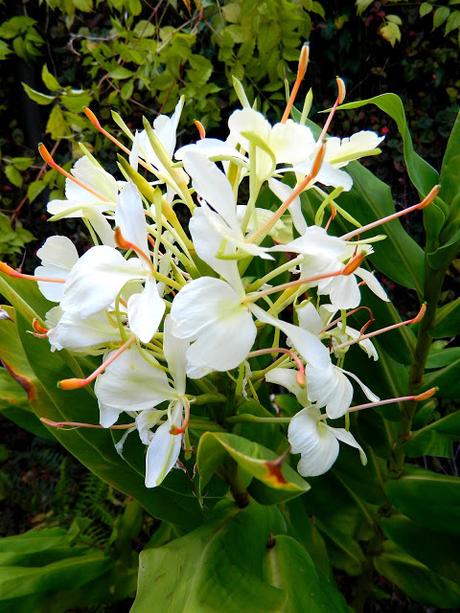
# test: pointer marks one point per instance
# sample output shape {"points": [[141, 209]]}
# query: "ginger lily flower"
{"points": [[317, 443], [58, 255]]}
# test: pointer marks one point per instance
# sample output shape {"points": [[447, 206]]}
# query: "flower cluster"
{"points": [[168, 305]]}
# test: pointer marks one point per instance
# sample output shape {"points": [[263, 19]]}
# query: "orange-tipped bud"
{"points": [[353, 264], [425, 395], [200, 127], [432, 194], [420, 315], [36, 325], [72, 384], [341, 90], [303, 61], [8, 270], [45, 154], [92, 117]]}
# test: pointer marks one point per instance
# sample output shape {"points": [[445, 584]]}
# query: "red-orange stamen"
{"points": [[48, 158], [73, 384], [11, 272], [301, 71], [420, 205], [96, 123], [341, 91], [121, 242], [79, 424], [180, 430], [36, 325], [414, 398], [200, 127], [294, 357]]}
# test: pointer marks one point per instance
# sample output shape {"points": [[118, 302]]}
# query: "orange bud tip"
{"points": [[353, 264], [201, 131], [432, 194], [425, 395], [303, 60], [71, 384], [175, 430], [300, 378], [36, 325], [420, 315], [91, 116], [341, 90], [45, 154]]}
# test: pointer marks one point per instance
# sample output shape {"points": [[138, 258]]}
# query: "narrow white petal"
{"points": [[130, 217], [367, 392], [291, 142], [347, 437], [175, 350], [101, 226], [145, 311], [283, 191], [287, 377], [162, 454], [73, 332], [309, 318], [92, 174], [211, 148], [58, 254], [372, 283]]}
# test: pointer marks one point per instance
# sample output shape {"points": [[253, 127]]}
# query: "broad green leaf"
{"points": [[415, 579], [428, 498], [445, 254], [443, 357], [260, 462], [13, 175], [439, 16], [119, 72], [422, 174], [446, 379], [448, 426], [432, 547], [217, 567], [38, 97], [425, 8], [447, 320], [56, 125], [289, 567], [450, 164]]}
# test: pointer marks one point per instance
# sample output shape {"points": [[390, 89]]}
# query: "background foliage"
{"points": [[135, 57]]}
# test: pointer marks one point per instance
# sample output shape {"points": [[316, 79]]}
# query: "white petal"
{"points": [[307, 344], [347, 437], [212, 185], [211, 148], [96, 279], [175, 350], [145, 311], [367, 392], [131, 383], [162, 454], [130, 217], [309, 318], [108, 415], [343, 291], [291, 142], [58, 254], [317, 242], [372, 283], [248, 120], [166, 127], [73, 332], [287, 377], [207, 243], [314, 441], [332, 177], [340, 152], [329, 387], [101, 226], [89, 172]]}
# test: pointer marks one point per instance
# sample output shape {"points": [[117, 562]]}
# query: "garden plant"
{"points": [[229, 355]]}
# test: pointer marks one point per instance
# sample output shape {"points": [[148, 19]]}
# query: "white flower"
{"points": [[317, 442], [83, 203], [58, 255]]}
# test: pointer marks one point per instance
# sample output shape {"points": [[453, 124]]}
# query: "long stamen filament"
{"points": [[294, 357], [11, 272], [48, 158], [124, 244], [341, 92], [72, 384], [79, 424], [420, 205], [407, 322], [414, 398], [301, 71]]}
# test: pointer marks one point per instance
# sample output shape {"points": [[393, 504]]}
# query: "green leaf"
{"points": [[428, 498], [50, 80], [217, 567], [35, 189], [422, 174], [450, 187], [13, 175], [447, 320], [425, 8], [432, 547], [446, 379], [390, 32], [361, 5], [75, 101], [439, 16], [260, 462], [38, 97], [119, 72], [289, 567], [415, 579], [56, 125]]}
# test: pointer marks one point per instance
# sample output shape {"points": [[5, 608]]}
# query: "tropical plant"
{"points": [[208, 263]]}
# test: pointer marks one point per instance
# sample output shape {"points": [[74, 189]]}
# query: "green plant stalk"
{"points": [[433, 285]]}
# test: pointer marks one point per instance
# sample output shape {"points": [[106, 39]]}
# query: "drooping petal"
{"points": [[131, 383], [366, 391], [77, 334], [329, 387], [283, 191], [212, 185], [166, 127], [101, 226], [175, 350], [372, 283], [307, 344], [58, 255], [311, 438], [347, 437], [96, 279], [287, 377], [145, 311], [162, 453], [130, 217], [309, 318]]}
